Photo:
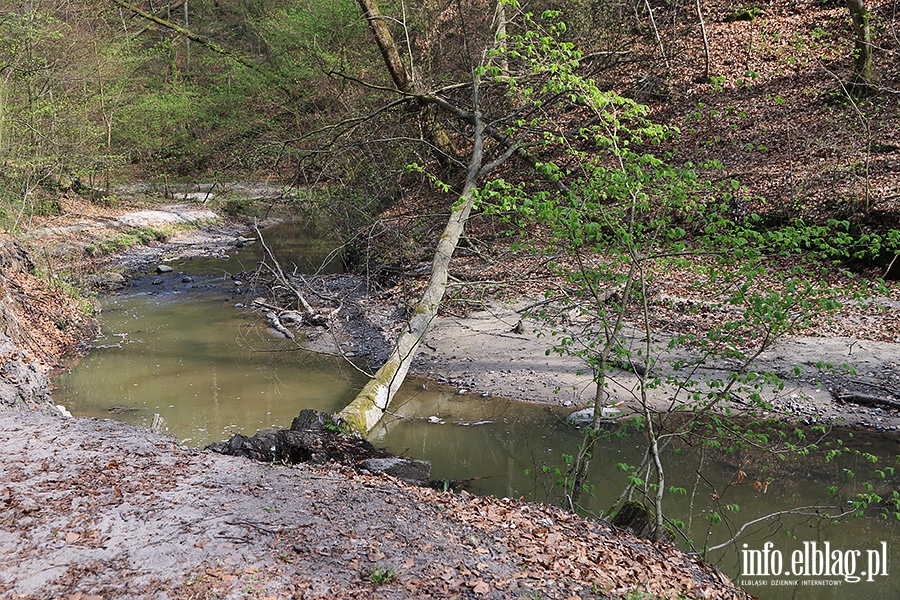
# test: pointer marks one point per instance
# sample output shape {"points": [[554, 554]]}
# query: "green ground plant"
{"points": [[383, 575]]}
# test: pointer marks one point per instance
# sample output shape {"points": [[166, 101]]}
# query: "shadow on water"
{"points": [[183, 349]]}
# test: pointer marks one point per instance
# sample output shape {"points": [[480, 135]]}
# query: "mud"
{"points": [[99, 509]]}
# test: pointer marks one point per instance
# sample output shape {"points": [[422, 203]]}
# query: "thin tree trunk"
{"points": [[187, 40], [705, 42], [500, 17], [662, 48], [864, 75], [370, 404]]}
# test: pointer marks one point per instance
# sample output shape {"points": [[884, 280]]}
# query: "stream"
{"points": [[182, 345]]}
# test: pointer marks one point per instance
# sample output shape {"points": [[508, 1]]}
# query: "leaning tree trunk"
{"points": [[405, 83], [386, 45], [370, 404]]}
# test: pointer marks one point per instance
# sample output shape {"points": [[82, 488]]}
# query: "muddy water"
{"points": [[185, 350], [514, 449], [181, 345]]}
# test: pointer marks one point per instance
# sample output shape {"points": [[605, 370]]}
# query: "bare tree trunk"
{"points": [[187, 40], [864, 76], [370, 404], [705, 42], [388, 48], [500, 18], [204, 41], [434, 131], [662, 47]]}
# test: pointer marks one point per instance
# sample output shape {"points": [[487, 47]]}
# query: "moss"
{"points": [[354, 415], [748, 13]]}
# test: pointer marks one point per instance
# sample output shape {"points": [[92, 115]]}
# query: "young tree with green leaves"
{"points": [[601, 188]]}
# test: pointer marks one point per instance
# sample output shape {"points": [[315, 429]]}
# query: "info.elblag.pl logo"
{"points": [[815, 560]]}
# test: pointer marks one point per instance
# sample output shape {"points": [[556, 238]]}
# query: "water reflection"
{"points": [[207, 367]]}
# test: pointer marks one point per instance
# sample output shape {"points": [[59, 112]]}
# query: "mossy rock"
{"points": [[746, 13], [638, 520]]}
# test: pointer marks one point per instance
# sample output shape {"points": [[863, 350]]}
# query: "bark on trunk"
{"points": [[370, 404], [434, 131], [862, 32], [386, 45]]}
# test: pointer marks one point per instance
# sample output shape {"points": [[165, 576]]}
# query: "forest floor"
{"points": [[98, 509]]}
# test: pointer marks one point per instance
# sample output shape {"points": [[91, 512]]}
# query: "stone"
{"points": [[583, 418], [22, 383], [15, 257], [291, 317], [163, 269], [310, 420], [106, 281], [415, 472]]}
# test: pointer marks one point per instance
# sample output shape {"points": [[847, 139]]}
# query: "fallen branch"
{"points": [[867, 399], [278, 326], [311, 315]]}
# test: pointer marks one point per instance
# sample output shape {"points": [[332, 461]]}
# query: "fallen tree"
{"points": [[367, 408]]}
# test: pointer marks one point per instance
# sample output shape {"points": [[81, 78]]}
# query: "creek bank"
{"points": [[39, 324], [104, 509], [495, 352], [483, 353], [837, 381]]}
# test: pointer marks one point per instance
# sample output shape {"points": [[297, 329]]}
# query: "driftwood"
{"points": [[867, 399], [311, 316], [158, 425], [276, 324]]}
